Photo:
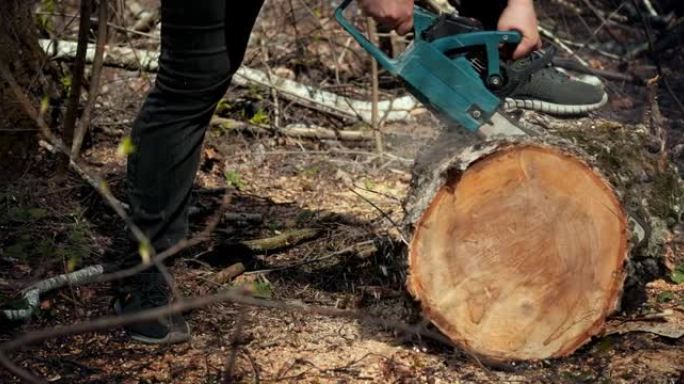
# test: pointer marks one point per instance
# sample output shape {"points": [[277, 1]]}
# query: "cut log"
{"points": [[519, 248]]}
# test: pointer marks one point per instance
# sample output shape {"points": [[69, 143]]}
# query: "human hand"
{"points": [[520, 16], [395, 14]]}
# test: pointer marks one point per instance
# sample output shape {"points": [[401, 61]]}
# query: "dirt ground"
{"points": [[346, 191]]}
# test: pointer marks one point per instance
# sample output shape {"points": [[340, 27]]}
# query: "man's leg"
{"points": [[203, 43]]}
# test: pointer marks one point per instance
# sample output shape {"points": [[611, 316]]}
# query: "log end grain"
{"points": [[521, 256]]}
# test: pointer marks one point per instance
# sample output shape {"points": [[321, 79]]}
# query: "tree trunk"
{"points": [[21, 54], [520, 248]]}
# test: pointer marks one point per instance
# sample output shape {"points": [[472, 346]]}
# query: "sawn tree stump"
{"points": [[520, 248]]}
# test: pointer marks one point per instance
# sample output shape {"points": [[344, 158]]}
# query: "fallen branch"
{"points": [[226, 275], [30, 296], [285, 239], [234, 295], [299, 130], [294, 130], [668, 324], [397, 109]]}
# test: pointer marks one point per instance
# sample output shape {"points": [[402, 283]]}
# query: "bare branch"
{"points": [[234, 295], [84, 122], [394, 109], [76, 79]]}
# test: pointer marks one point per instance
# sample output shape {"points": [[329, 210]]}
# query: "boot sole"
{"points": [[173, 337], [555, 109]]}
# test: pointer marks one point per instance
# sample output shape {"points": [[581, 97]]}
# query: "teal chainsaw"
{"points": [[440, 68]]}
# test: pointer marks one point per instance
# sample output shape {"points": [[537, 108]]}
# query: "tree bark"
{"points": [[21, 54], [520, 248]]}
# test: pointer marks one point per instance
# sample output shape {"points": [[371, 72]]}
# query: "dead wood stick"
{"points": [[294, 130], [395, 109], [30, 296], [285, 239], [312, 132], [226, 275]]}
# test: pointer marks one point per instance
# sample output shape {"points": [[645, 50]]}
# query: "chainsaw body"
{"points": [[440, 79]]}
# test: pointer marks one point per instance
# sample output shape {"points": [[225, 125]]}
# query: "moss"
{"points": [[667, 187]]}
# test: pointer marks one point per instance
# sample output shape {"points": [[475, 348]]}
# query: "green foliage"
{"points": [[311, 171], [72, 245], [66, 84], [665, 297], [145, 252], [76, 245], [44, 20], [223, 106], [225, 127], [677, 275], [44, 104], [263, 289], [259, 118], [23, 214], [275, 225], [234, 179], [36, 233], [254, 92], [126, 147]]}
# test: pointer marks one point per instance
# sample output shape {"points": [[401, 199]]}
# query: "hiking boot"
{"points": [[145, 291], [532, 83]]}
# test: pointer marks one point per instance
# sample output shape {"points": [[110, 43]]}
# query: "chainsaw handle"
{"points": [[422, 19]]}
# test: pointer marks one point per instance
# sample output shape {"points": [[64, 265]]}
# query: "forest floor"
{"points": [[346, 192]]}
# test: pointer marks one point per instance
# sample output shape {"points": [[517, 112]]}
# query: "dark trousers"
{"points": [[487, 11], [203, 44]]}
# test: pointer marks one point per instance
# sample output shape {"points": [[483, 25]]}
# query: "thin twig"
{"points": [[97, 183], [562, 45], [384, 214], [173, 250], [375, 123], [342, 251], [77, 71], [235, 295], [656, 57], [84, 122], [234, 347]]}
